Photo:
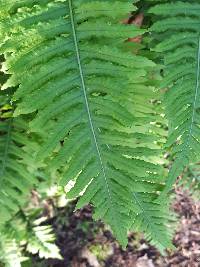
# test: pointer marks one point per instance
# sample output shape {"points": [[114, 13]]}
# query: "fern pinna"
{"points": [[90, 100], [177, 33]]}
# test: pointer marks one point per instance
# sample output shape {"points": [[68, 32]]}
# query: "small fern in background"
{"points": [[28, 233], [10, 252]]}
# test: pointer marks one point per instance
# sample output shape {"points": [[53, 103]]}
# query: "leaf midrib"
{"points": [[87, 104]]}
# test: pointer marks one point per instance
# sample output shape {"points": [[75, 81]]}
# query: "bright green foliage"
{"points": [[178, 33], [41, 241], [10, 252], [26, 233], [92, 104]]}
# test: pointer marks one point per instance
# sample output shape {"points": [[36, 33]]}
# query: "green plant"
{"points": [[179, 46], [19, 175], [25, 235], [87, 107]]}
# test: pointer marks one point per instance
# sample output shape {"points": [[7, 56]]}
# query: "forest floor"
{"points": [[85, 243]]}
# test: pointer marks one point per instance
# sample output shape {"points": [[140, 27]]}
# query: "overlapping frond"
{"points": [[91, 99], [178, 35], [17, 166], [19, 174], [16, 177]]}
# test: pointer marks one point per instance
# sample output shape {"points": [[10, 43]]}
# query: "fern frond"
{"points": [[17, 167], [91, 100], [177, 27]]}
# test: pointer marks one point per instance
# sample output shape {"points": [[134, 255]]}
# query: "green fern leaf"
{"points": [[178, 28], [91, 100]]}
